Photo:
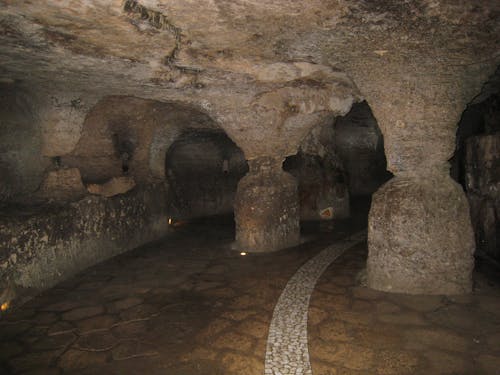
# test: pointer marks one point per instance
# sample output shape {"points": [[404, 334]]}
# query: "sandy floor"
{"points": [[190, 305]]}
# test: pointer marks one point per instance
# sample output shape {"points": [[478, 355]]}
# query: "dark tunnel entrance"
{"points": [[203, 167]]}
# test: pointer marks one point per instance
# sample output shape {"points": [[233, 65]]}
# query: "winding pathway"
{"points": [[287, 352]]}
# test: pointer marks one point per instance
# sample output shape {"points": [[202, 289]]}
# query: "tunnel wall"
{"points": [[41, 249]]}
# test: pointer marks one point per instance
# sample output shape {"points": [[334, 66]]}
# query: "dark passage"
{"points": [[203, 168]]}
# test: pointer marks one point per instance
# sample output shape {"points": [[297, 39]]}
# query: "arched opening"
{"points": [[359, 144], [340, 164], [136, 163], [202, 168], [154, 142]]}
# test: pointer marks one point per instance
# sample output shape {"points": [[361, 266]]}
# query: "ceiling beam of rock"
{"points": [[263, 71]]}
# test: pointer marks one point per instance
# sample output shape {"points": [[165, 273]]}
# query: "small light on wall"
{"points": [[4, 306], [169, 221], [243, 253]]}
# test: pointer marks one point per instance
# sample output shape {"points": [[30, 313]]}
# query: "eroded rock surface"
{"points": [[62, 185], [41, 248], [420, 237], [246, 64], [266, 208]]}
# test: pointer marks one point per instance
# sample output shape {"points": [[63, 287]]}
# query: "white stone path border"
{"points": [[287, 352]]}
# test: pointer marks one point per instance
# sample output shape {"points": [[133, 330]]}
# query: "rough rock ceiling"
{"points": [[148, 39], [250, 54]]}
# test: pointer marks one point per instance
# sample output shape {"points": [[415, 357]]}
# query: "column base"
{"points": [[267, 212], [420, 237]]}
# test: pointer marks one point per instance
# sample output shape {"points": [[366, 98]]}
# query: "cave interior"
{"points": [[172, 172]]}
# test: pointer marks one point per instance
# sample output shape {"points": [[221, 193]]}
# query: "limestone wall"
{"points": [[39, 249], [21, 164]]}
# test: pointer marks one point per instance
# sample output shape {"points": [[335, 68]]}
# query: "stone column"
{"points": [[420, 237], [266, 208], [268, 122]]}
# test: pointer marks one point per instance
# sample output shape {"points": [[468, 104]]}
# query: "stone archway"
{"points": [[340, 161], [202, 169], [323, 193]]}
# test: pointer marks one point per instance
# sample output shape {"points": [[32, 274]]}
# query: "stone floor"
{"points": [[190, 305]]}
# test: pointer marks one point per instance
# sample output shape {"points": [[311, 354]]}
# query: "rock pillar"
{"points": [[420, 237], [266, 208], [269, 122]]}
